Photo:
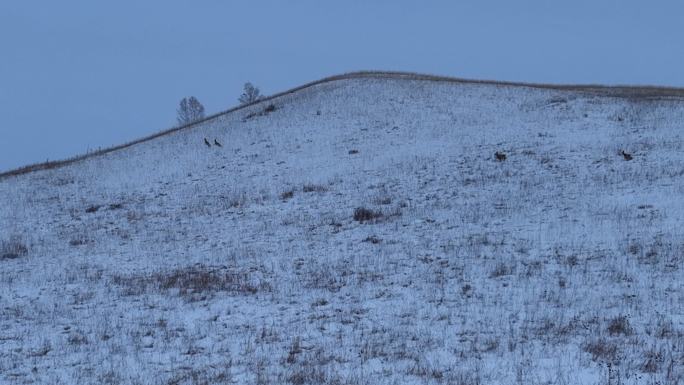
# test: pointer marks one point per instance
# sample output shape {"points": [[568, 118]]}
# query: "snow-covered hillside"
{"points": [[363, 232]]}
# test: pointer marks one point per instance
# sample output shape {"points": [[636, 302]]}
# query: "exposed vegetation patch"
{"points": [[501, 270], [78, 241], [267, 110], [193, 282], [285, 195], [620, 325], [12, 248], [373, 239], [362, 214], [601, 350], [92, 208], [309, 187]]}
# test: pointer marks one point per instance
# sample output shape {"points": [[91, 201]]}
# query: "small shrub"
{"points": [[500, 270], [619, 325], [287, 195], [267, 110], [319, 302], [562, 282], [373, 239], [601, 350], [571, 261], [92, 209], [314, 188], [13, 248], [466, 290], [78, 241], [362, 214], [652, 361]]}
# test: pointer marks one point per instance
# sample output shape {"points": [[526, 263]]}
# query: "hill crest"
{"points": [[620, 91]]}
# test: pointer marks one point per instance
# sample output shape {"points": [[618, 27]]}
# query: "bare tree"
{"points": [[251, 94], [190, 110]]}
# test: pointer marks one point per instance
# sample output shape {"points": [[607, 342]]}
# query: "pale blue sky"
{"points": [[77, 75]]}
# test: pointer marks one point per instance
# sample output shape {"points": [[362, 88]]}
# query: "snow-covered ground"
{"points": [[171, 262]]}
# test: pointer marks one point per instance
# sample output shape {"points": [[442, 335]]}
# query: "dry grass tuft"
{"points": [[12, 248]]}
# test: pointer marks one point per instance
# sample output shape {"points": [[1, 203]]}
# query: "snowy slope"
{"points": [[169, 262]]}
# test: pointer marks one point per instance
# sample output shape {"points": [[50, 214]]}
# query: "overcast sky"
{"points": [[78, 75]]}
